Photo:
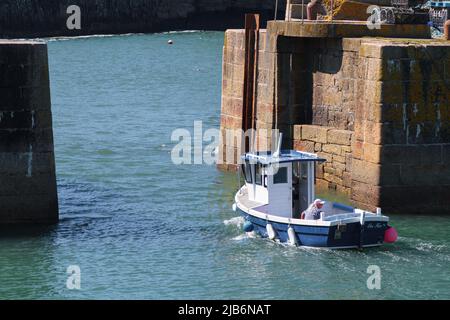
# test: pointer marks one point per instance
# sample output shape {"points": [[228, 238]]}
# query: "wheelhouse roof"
{"points": [[266, 157]]}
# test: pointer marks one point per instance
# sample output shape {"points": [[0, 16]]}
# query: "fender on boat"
{"points": [[292, 236], [390, 235], [271, 232], [248, 226]]}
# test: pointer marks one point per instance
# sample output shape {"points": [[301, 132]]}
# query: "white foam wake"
{"points": [[236, 221]]}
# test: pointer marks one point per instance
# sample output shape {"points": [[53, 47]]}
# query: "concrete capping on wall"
{"points": [[344, 29]]}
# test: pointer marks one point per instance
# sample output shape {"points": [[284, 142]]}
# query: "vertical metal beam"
{"points": [[303, 10], [252, 25], [288, 11], [276, 10], [331, 4]]}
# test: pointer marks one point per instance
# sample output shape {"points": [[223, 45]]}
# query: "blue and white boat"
{"points": [[279, 186]]}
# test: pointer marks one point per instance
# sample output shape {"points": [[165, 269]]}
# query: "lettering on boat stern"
{"points": [[339, 230], [225, 310], [377, 225]]}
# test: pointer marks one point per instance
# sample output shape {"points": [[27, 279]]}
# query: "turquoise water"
{"points": [[140, 227]]}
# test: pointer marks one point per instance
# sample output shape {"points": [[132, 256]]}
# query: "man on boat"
{"points": [[314, 210]]}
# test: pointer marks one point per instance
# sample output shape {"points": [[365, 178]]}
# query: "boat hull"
{"points": [[341, 236]]}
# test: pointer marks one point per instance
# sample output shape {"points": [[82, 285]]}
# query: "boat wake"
{"points": [[236, 221], [244, 236], [430, 247], [240, 237]]}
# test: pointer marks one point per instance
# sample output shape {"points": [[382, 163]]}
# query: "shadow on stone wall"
{"points": [[303, 65]]}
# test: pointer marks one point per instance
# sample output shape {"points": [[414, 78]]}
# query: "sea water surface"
{"points": [[140, 227]]}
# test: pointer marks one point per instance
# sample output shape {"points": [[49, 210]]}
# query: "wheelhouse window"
{"points": [[281, 176], [246, 170], [259, 174]]}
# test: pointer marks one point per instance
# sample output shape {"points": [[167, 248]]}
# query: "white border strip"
{"points": [[316, 223]]}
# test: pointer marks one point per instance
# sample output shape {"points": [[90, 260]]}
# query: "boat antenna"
{"points": [[278, 150]]}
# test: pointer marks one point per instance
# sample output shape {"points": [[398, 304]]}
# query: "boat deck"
{"points": [[242, 197]]}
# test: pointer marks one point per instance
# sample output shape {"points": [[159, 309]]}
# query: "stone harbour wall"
{"points": [[334, 146], [44, 18], [232, 94], [27, 163], [401, 148], [377, 109]]}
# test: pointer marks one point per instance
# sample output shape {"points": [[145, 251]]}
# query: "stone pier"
{"points": [[27, 164], [374, 103]]}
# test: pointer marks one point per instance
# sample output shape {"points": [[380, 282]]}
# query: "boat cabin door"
{"points": [[302, 186], [280, 189]]}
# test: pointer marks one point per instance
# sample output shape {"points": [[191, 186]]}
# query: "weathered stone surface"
{"points": [[307, 146], [428, 175], [319, 171], [351, 10], [333, 178], [298, 132], [232, 106], [333, 149], [314, 133], [413, 199], [329, 169], [24, 98], [339, 159], [342, 190], [347, 179], [372, 152], [317, 147], [342, 137], [340, 167], [12, 163], [37, 183], [373, 132], [328, 157], [399, 154], [375, 174], [33, 209], [365, 172], [365, 196], [230, 122], [336, 29], [322, 185]]}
